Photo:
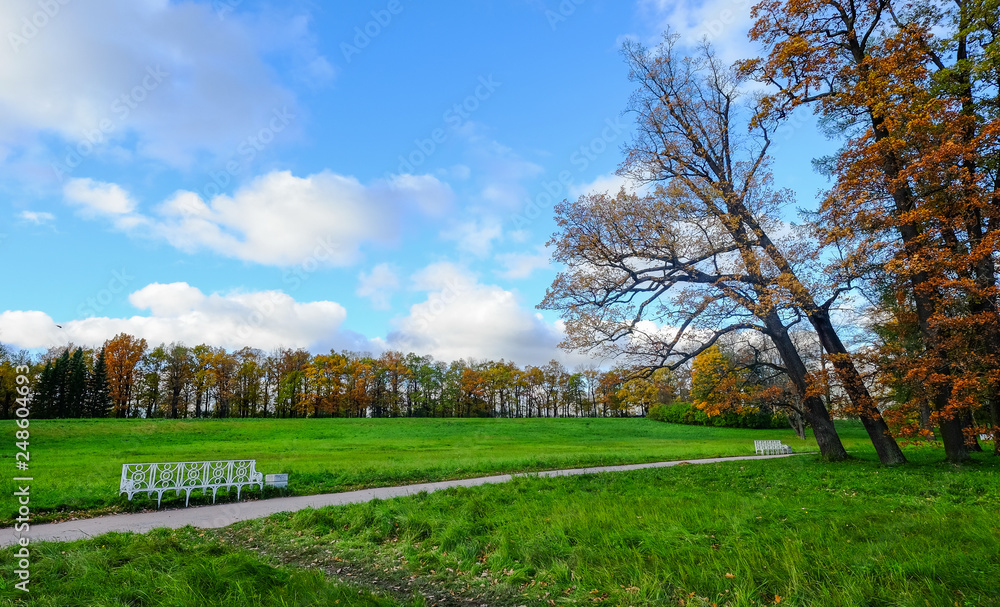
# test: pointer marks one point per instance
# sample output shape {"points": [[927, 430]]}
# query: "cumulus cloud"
{"points": [[167, 80], [277, 219], [181, 312], [463, 318], [724, 23], [523, 265], [475, 236], [378, 285], [97, 198]]}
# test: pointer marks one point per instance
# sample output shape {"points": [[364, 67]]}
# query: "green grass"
{"points": [[170, 568], [76, 464], [736, 534]]}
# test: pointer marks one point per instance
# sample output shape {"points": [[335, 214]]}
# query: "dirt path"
{"points": [[222, 515]]}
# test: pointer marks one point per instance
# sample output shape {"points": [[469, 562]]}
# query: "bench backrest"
{"points": [[162, 475]]}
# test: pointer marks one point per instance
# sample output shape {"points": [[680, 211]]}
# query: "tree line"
{"points": [[125, 378]]}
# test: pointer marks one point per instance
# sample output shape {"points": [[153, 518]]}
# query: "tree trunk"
{"points": [[956, 450], [816, 413], [886, 447]]}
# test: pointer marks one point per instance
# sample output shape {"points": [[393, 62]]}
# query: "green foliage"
{"points": [[98, 396], [687, 413]]}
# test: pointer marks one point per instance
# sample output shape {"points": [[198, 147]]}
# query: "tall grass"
{"points": [[169, 568]]}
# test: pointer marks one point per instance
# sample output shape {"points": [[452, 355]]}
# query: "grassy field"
{"points": [[794, 531], [76, 464]]}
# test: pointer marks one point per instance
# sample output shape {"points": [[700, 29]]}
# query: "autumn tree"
{"points": [[123, 353], [697, 253], [178, 375], [911, 88]]}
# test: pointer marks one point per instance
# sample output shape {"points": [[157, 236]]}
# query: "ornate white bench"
{"points": [[770, 447], [187, 476], [985, 437]]}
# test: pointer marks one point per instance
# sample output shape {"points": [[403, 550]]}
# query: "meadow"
{"points": [[76, 464], [792, 531]]}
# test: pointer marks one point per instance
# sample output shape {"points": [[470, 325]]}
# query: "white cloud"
{"points": [[168, 79], [29, 329], [604, 184], [725, 23], [277, 219], [522, 265], [463, 318], [425, 192], [98, 198], [378, 285], [180, 312], [475, 236], [36, 217]]}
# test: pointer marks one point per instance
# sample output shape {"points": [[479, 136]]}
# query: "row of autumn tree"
{"points": [[734, 386], [909, 227], [125, 378]]}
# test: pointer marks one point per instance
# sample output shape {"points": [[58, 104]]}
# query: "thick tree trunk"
{"points": [[816, 413], [956, 450], [886, 447], [925, 416]]}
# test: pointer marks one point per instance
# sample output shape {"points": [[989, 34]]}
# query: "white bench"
{"points": [[187, 476], [985, 437], [770, 447]]}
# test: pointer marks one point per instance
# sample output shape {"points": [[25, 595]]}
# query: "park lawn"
{"points": [[794, 531], [76, 464], [170, 568]]}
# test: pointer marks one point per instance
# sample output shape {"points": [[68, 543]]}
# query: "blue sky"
{"points": [[360, 175]]}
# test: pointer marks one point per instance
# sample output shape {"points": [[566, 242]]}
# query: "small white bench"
{"points": [[159, 478], [985, 437], [770, 447]]}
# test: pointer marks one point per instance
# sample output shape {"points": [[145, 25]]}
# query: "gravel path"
{"points": [[222, 515]]}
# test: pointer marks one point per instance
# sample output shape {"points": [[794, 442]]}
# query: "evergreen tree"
{"points": [[98, 398], [76, 385], [43, 404], [60, 371]]}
